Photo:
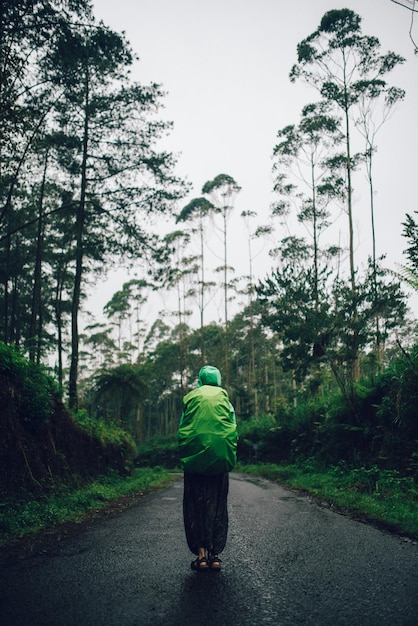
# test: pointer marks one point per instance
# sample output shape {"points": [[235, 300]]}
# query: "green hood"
{"points": [[209, 375]]}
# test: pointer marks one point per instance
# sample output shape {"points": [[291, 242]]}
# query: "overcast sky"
{"points": [[225, 65]]}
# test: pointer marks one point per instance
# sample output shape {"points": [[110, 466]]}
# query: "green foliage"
{"points": [[41, 443], [255, 429], [383, 432], [33, 388], [120, 445], [104, 430], [72, 159], [197, 206], [329, 325], [381, 496], [258, 435], [314, 420], [399, 385], [409, 272], [289, 298], [160, 450], [222, 183], [119, 391], [25, 517], [411, 233]]}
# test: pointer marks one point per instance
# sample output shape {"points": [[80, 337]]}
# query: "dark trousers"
{"points": [[205, 511]]}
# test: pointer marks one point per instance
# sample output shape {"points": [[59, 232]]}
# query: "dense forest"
{"points": [[320, 359]]}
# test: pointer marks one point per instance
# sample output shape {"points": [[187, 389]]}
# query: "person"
{"points": [[207, 436]]}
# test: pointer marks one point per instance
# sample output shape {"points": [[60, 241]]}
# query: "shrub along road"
{"points": [[287, 561]]}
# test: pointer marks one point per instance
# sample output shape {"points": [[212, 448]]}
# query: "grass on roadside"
{"points": [[381, 496], [19, 518]]}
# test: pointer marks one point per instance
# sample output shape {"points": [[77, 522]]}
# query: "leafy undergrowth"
{"points": [[379, 496], [66, 508]]}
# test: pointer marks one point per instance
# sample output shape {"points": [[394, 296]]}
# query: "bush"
{"points": [[33, 389], [41, 443], [398, 386], [119, 444], [262, 438], [106, 431], [159, 450]]}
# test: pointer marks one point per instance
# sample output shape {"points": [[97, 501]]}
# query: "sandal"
{"points": [[215, 563], [200, 565]]}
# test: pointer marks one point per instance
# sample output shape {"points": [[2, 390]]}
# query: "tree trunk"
{"points": [[315, 234], [202, 297], [226, 301], [80, 219], [378, 346], [355, 364], [7, 214], [58, 321], [35, 331]]}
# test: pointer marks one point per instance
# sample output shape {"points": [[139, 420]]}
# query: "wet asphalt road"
{"points": [[287, 561]]}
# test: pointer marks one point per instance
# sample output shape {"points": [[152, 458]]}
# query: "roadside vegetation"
{"points": [[26, 516], [58, 468], [382, 497]]}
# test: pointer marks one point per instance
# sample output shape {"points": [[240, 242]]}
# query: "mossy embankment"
{"points": [[58, 470]]}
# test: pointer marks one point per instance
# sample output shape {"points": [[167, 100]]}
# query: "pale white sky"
{"points": [[225, 65]]}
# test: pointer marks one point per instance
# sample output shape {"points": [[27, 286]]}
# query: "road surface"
{"points": [[287, 562]]}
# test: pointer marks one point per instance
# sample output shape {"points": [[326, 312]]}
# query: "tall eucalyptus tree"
{"points": [[252, 234], [303, 177], [199, 209], [374, 107], [346, 67], [182, 275], [222, 191]]}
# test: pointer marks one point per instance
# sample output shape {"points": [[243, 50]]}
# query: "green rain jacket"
{"points": [[207, 433]]}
